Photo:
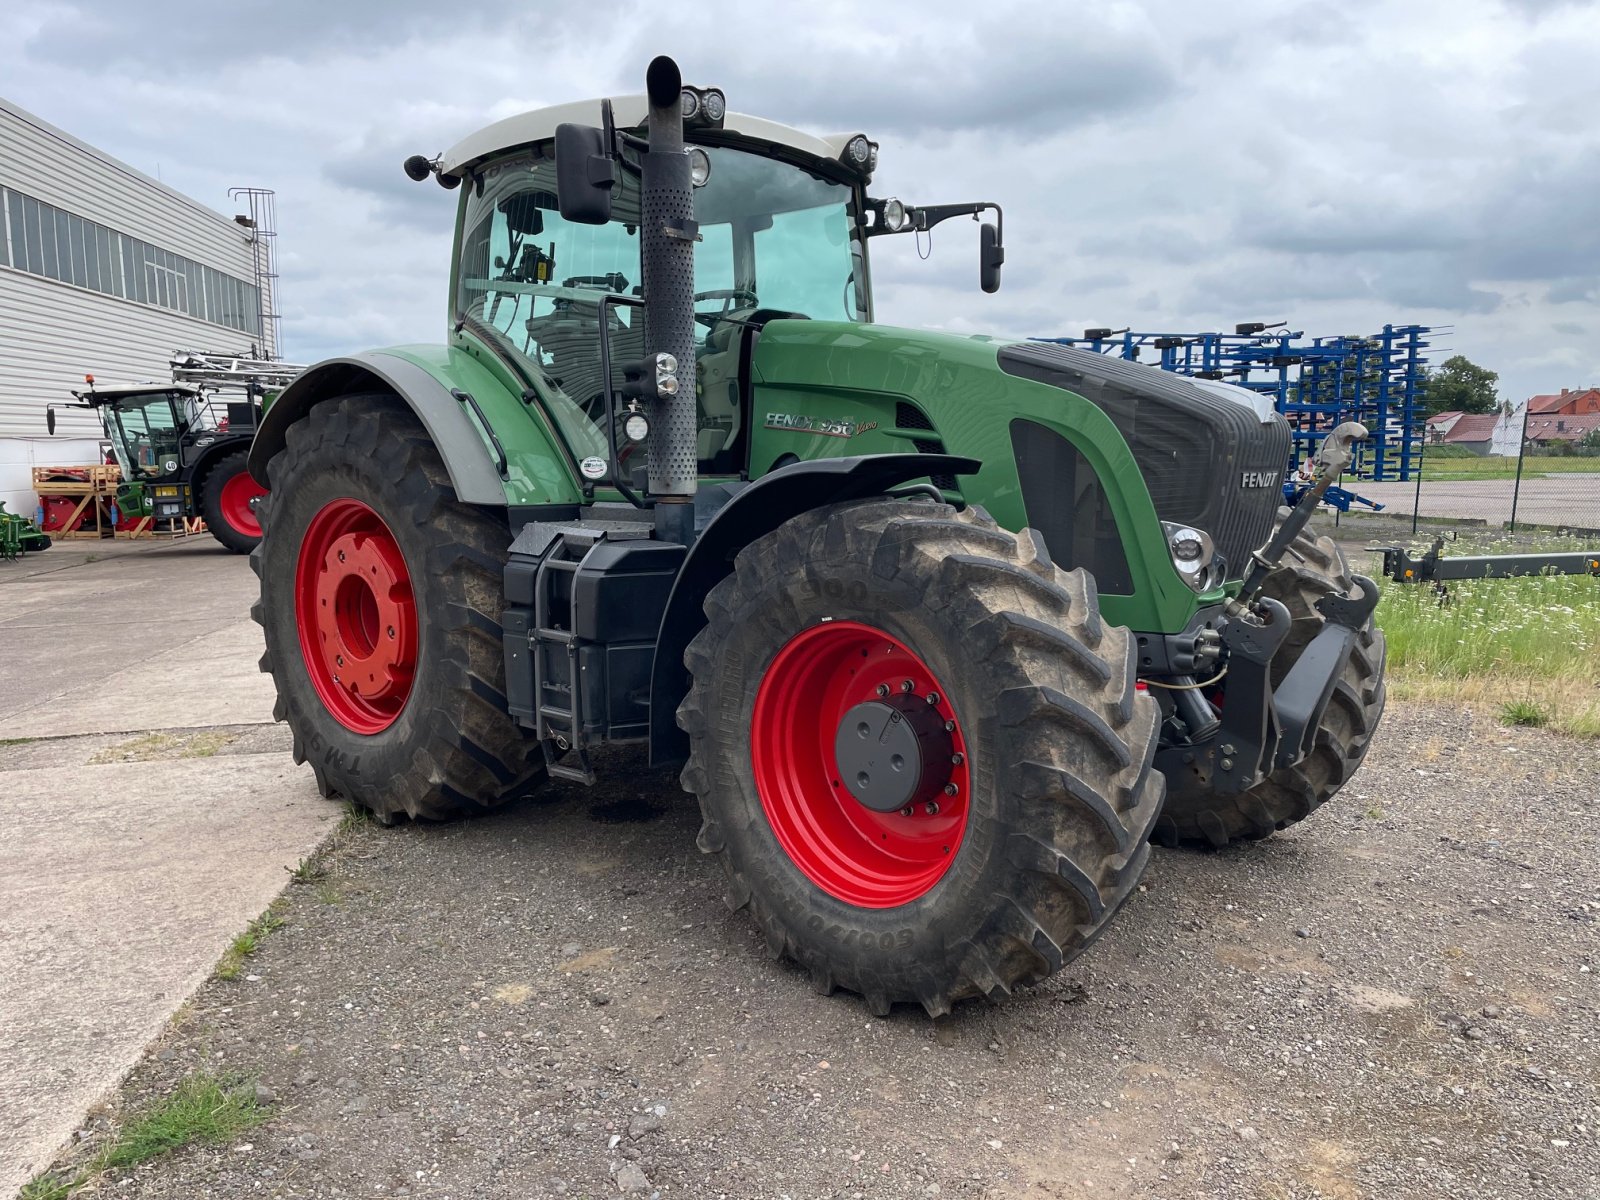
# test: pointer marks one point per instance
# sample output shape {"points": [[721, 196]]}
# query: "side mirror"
{"points": [[50, 419], [991, 256], [585, 174]]}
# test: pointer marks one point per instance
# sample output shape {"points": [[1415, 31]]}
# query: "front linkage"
{"points": [[1257, 727]]}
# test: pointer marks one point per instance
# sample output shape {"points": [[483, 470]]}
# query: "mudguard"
{"points": [[222, 446], [474, 473], [751, 513]]}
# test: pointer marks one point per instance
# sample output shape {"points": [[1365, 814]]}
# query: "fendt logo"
{"points": [[1259, 479]]}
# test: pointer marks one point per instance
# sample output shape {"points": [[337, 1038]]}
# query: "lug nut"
{"points": [[908, 686], [957, 759], [950, 789], [391, 632], [949, 726], [883, 690], [1227, 764], [339, 658], [341, 556], [906, 811], [931, 808], [933, 698]]}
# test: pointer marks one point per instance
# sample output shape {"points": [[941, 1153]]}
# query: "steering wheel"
{"points": [[728, 296]]}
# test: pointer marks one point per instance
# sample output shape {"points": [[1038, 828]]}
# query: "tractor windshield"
{"points": [[147, 429], [774, 236]]}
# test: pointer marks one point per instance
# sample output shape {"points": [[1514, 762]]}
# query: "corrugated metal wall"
{"points": [[53, 332]]}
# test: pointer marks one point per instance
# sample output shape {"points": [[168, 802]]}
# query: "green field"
{"points": [[1437, 468]]}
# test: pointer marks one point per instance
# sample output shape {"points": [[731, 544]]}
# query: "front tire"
{"points": [[1313, 568], [1026, 827], [380, 594], [229, 504]]}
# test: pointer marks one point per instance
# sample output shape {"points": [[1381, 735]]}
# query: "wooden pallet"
{"points": [[96, 478]]}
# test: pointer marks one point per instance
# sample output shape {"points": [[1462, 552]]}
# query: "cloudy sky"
{"points": [[1168, 165]]}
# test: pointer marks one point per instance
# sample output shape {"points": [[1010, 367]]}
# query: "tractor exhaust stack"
{"points": [[667, 234]]}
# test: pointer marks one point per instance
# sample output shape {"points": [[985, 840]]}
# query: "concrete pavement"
{"points": [[126, 864]]}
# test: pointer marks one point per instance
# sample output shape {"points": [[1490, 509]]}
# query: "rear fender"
{"points": [[753, 512]]}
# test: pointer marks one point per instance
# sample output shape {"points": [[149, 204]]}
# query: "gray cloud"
{"points": [[1156, 169]]}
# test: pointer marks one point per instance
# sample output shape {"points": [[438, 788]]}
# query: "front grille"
{"points": [[1194, 448]]}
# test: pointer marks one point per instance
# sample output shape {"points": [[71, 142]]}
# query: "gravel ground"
{"points": [[1397, 999]]}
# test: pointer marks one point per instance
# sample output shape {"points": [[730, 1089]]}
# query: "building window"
{"points": [[48, 241]]}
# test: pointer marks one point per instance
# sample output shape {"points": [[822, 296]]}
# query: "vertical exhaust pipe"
{"points": [[667, 232]]}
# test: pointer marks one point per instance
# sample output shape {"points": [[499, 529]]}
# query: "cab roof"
{"points": [[115, 391], [629, 112]]}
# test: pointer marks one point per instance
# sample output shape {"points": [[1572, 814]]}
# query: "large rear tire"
{"points": [[229, 504], [380, 595], [1313, 568], [1027, 827]]}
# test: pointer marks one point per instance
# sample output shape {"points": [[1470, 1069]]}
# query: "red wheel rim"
{"points": [[235, 503], [357, 616], [863, 857]]}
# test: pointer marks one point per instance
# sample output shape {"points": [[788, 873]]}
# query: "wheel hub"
{"points": [[357, 616], [874, 843], [893, 753]]}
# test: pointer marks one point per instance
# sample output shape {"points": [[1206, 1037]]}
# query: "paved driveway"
{"points": [[148, 808]]}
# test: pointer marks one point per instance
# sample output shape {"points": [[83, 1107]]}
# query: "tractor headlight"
{"points": [[635, 427], [703, 106], [666, 374], [1194, 555], [699, 167], [895, 217], [858, 153]]}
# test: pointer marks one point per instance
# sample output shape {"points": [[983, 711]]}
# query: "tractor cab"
{"points": [[782, 220], [150, 426]]}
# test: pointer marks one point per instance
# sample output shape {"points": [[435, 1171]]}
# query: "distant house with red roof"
{"points": [[1566, 403], [1543, 429], [1474, 431], [1440, 424]]}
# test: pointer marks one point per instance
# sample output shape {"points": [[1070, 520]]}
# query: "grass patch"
{"points": [[308, 871], [153, 746], [1524, 712], [246, 944], [1523, 648], [18, 741], [204, 1109]]}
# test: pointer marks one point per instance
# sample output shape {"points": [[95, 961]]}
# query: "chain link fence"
{"points": [[1548, 485]]}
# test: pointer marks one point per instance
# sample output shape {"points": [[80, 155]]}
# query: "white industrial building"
{"points": [[106, 271]]}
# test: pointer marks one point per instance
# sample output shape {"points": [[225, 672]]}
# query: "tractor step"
{"points": [[584, 603]]}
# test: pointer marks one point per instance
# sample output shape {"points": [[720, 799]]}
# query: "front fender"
{"points": [[753, 512]]}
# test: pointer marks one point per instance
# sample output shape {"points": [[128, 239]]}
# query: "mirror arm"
{"points": [[924, 219]]}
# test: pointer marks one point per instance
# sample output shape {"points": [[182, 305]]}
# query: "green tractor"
{"points": [[942, 630]]}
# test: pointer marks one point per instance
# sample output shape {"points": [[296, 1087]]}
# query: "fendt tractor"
{"points": [[182, 445], [941, 629]]}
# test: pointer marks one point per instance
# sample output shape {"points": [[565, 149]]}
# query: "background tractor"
{"points": [[932, 624], [182, 446]]}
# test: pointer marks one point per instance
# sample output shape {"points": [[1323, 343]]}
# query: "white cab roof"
{"points": [[629, 112], [133, 389]]}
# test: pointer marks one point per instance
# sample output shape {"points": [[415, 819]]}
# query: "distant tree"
{"points": [[1460, 385]]}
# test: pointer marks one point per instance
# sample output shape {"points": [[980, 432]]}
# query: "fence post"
{"points": [[1416, 499], [1522, 453]]}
